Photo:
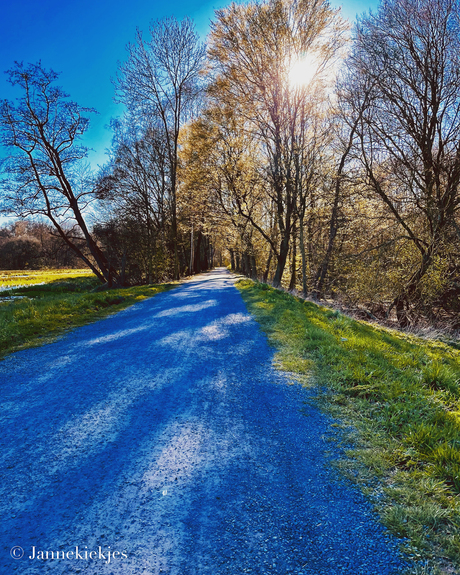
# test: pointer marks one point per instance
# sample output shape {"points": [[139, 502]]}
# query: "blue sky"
{"points": [[84, 39]]}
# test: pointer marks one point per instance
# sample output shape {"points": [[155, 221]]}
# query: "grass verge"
{"points": [[46, 311], [397, 399]]}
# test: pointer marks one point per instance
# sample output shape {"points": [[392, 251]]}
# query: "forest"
{"points": [[292, 146]]}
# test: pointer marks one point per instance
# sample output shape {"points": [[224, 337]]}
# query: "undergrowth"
{"points": [[397, 398], [39, 313]]}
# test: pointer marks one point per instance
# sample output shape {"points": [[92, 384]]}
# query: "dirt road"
{"points": [[161, 440]]}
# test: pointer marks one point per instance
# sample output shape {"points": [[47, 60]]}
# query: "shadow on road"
{"points": [[163, 434]]}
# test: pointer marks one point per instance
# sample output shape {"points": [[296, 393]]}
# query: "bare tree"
{"points": [[161, 78], [254, 48], [132, 188], [44, 173], [348, 121], [409, 122]]}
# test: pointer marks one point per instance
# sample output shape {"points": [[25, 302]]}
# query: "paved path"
{"points": [[164, 436]]}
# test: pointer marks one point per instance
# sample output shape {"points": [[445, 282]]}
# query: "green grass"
{"points": [[47, 311], [397, 398], [29, 277]]}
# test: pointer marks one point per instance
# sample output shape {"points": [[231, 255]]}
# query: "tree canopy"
{"points": [[287, 147]]}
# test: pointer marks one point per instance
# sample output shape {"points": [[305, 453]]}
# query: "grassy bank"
{"points": [[39, 313], [398, 401]]}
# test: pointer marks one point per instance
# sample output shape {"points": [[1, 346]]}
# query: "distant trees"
{"points": [[32, 245], [43, 175], [221, 183]]}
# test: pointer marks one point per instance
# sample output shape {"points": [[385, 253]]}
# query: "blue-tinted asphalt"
{"points": [[161, 440]]}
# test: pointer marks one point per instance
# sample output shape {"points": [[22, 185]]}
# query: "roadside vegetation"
{"points": [[36, 314], [396, 398]]}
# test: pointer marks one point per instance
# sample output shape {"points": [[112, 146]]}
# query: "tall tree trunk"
{"points": [[284, 206], [204, 260], [191, 250], [333, 224], [246, 265], [252, 261], [197, 259], [211, 255], [267, 266], [333, 228], [292, 283], [123, 266], [174, 238], [281, 260], [107, 270], [302, 253]]}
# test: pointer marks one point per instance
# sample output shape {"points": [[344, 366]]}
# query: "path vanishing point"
{"points": [[161, 440]]}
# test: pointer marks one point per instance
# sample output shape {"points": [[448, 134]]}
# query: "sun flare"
{"points": [[303, 71]]}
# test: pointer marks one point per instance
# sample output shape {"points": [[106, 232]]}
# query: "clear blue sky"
{"points": [[84, 39]]}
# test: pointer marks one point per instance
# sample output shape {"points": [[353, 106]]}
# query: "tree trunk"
{"points": [[123, 267], [281, 261], [267, 267], [246, 265], [252, 260], [292, 283], [191, 250], [197, 259], [333, 228], [304, 260], [204, 259], [333, 225]]}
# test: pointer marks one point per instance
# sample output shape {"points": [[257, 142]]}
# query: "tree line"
{"points": [[297, 150], [34, 245]]}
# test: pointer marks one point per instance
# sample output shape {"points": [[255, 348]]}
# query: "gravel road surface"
{"points": [[162, 441]]}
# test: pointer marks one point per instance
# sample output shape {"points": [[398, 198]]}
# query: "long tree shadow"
{"points": [[164, 432]]}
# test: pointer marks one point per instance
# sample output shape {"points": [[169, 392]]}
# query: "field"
{"points": [[38, 306], [9, 279]]}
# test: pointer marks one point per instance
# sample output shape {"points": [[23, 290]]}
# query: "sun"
{"points": [[303, 71]]}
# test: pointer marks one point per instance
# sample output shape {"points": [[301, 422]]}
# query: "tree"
{"points": [[345, 130], [132, 188], [201, 215], [255, 48], [20, 253], [161, 79], [43, 173], [409, 123], [223, 183]]}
